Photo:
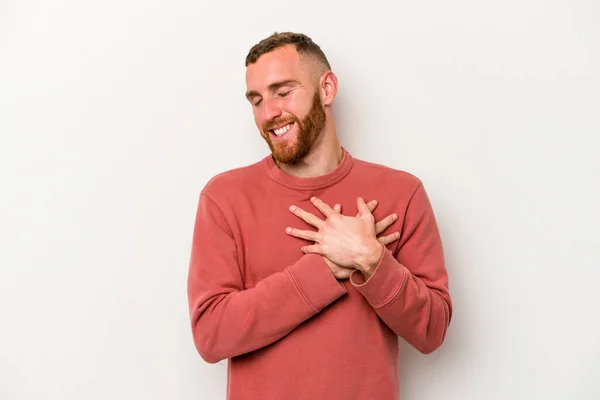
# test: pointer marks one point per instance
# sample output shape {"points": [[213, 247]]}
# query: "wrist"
{"points": [[368, 258]]}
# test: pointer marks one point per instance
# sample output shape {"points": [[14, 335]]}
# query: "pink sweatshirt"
{"points": [[289, 328]]}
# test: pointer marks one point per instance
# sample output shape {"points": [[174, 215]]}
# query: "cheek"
{"points": [[299, 106], [293, 106], [258, 119]]}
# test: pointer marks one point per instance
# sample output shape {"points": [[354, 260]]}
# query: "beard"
{"points": [[291, 151]]}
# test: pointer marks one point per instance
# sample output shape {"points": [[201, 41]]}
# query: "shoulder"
{"points": [[386, 175], [232, 181]]}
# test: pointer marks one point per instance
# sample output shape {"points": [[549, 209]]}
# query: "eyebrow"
{"points": [[273, 87]]}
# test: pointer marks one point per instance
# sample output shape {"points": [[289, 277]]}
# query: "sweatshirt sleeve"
{"points": [[410, 292], [229, 320]]}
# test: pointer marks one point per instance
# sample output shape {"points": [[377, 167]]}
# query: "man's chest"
{"points": [[263, 246]]}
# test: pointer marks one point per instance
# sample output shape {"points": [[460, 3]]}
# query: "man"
{"points": [[306, 301]]}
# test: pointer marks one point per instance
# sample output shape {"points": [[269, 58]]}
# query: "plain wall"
{"points": [[114, 114]]}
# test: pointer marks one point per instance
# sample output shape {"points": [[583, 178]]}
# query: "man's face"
{"points": [[286, 104]]}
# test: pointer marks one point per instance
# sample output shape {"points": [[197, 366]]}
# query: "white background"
{"points": [[114, 114]]}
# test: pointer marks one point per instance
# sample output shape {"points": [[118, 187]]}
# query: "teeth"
{"points": [[283, 129]]}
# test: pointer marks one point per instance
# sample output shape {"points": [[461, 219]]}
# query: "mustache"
{"points": [[270, 125]]}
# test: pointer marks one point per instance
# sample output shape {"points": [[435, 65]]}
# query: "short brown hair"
{"points": [[304, 45]]}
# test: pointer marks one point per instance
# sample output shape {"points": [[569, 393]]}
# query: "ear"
{"points": [[328, 87]]}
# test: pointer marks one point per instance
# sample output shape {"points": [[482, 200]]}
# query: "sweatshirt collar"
{"points": [[317, 182]]}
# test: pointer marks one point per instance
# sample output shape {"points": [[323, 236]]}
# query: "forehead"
{"points": [[280, 64]]}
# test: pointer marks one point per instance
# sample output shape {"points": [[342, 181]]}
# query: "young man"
{"points": [[288, 278]]}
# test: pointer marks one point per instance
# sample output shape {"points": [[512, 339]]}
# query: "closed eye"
{"points": [[284, 94]]}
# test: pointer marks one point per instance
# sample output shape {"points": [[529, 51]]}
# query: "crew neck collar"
{"points": [[317, 182]]}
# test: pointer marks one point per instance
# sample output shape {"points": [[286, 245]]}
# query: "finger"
{"points": [[322, 206], [306, 216], [312, 249], [362, 207], [384, 223], [372, 205], [385, 240], [337, 208], [302, 234]]}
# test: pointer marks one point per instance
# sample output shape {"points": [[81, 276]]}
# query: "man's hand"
{"points": [[344, 242]]}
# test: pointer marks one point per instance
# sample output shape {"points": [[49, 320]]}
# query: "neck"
{"points": [[323, 158]]}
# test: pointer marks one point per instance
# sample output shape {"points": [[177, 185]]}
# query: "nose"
{"points": [[271, 109]]}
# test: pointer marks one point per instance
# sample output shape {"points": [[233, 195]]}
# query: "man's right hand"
{"points": [[344, 273]]}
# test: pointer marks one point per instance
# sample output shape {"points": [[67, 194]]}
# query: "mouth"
{"points": [[282, 130]]}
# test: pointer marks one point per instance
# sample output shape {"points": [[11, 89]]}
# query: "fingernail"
{"points": [[313, 198], [292, 208], [394, 216], [397, 234], [288, 230]]}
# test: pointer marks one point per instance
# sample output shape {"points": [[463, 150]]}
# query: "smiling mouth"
{"points": [[282, 130]]}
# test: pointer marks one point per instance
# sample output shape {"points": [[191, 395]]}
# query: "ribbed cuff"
{"points": [[384, 284], [315, 281]]}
